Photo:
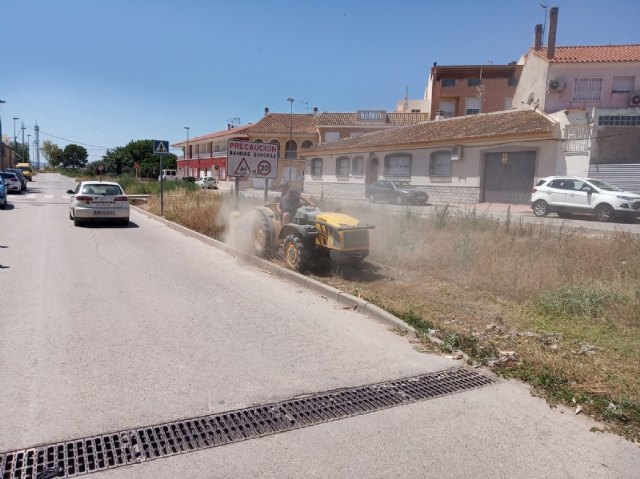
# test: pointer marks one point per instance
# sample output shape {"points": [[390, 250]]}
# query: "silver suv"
{"points": [[567, 195]]}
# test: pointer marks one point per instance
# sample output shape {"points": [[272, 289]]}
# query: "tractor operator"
{"points": [[290, 200]]}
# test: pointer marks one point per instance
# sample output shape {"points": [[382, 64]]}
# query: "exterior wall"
{"points": [[568, 72], [533, 79], [462, 187], [407, 106], [495, 90], [615, 144]]}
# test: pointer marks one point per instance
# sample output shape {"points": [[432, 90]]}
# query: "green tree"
{"points": [[52, 153], [74, 156], [123, 158]]}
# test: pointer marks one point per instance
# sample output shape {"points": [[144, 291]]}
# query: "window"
{"points": [[440, 164], [342, 166], [448, 82], [474, 82], [357, 166], [307, 144], [587, 89], [330, 136], [513, 81], [623, 84], [398, 165], [619, 120], [316, 167], [448, 108], [258, 141], [472, 106], [291, 150]]}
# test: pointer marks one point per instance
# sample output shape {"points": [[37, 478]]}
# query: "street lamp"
{"points": [[186, 151], [287, 151]]}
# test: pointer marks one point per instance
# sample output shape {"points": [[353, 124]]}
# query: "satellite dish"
{"points": [[530, 99]]}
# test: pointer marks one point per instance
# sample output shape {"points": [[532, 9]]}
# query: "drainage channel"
{"points": [[135, 446]]}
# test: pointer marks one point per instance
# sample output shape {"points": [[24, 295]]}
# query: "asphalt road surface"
{"points": [[105, 328]]}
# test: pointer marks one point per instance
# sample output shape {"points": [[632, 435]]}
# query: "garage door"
{"points": [[508, 177]]}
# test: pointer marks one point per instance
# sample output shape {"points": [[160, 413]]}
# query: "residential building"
{"points": [[292, 132], [594, 92], [488, 157], [206, 155], [470, 89]]}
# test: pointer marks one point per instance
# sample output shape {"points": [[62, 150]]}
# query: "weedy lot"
{"points": [[556, 308]]}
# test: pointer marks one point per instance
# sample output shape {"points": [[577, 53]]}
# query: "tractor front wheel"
{"points": [[261, 238], [295, 253]]}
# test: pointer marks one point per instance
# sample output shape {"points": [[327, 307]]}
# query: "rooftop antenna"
{"points": [[306, 105], [544, 25]]}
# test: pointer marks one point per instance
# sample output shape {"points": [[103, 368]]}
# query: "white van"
{"points": [[168, 175]]}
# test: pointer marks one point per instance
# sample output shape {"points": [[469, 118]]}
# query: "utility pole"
{"points": [[29, 147]]}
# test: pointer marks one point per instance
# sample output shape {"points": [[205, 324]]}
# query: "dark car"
{"points": [[398, 192], [20, 175]]}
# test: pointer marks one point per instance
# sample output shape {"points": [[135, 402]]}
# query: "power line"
{"points": [[74, 142]]}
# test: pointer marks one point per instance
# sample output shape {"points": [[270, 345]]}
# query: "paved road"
{"points": [[108, 328]]}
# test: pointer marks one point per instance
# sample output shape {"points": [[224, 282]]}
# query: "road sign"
{"points": [[160, 147], [248, 159], [136, 165]]}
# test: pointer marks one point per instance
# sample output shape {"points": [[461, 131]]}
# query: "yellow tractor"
{"points": [[312, 236]]}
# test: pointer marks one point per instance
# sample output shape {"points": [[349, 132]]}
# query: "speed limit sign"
{"points": [[264, 168]]}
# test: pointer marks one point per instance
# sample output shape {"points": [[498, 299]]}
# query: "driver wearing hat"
{"points": [[290, 200]]}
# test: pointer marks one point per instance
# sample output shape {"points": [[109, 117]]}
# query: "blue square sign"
{"points": [[160, 147]]}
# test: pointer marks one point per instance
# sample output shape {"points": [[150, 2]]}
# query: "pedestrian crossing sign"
{"points": [[160, 147]]}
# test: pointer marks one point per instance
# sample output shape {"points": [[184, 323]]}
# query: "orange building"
{"points": [[471, 89]]}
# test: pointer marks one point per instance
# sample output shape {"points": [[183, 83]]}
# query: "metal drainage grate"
{"points": [[134, 446]]}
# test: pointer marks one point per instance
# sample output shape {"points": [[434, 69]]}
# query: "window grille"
{"points": [[587, 89], [397, 165]]}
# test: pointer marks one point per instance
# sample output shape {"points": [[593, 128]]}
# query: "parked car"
{"points": [[21, 177], [11, 181], [3, 196], [566, 195], [398, 192], [208, 182], [168, 175], [98, 201]]}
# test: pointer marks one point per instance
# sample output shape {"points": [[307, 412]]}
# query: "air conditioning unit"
{"points": [[456, 153], [634, 99], [556, 85]]}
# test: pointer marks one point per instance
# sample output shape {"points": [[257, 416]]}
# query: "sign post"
{"points": [[247, 159], [161, 149]]}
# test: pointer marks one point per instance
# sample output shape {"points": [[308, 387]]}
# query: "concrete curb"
{"points": [[329, 292]]}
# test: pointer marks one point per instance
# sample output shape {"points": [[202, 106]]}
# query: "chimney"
{"points": [[266, 111], [228, 126], [315, 110], [537, 45], [553, 26]]}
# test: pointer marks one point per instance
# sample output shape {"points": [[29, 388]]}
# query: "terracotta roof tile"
{"points": [[592, 54], [282, 123], [458, 129]]}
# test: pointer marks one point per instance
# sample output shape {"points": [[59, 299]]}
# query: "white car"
{"points": [[567, 195], [98, 201], [11, 181], [207, 182]]}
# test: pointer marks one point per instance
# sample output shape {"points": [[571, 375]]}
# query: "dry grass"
{"points": [[567, 305]]}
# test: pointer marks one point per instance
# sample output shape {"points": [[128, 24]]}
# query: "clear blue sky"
{"points": [[98, 72]]}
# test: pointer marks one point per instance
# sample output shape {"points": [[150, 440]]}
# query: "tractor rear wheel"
{"points": [[261, 237], [295, 253]]}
